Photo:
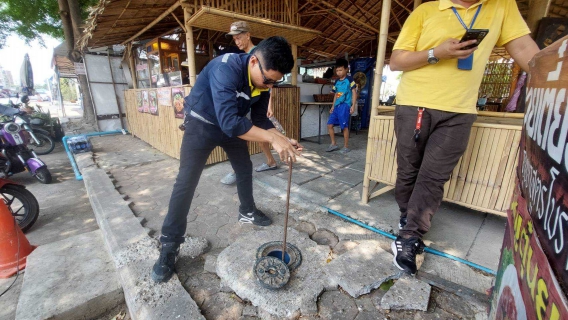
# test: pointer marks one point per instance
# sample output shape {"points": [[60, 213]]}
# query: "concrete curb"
{"points": [[125, 237]]}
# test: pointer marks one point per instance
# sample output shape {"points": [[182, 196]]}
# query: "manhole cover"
{"points": [[271, 272]]}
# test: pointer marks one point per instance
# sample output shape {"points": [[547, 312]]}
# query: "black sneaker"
{"points": [[401, 223], [256, 217], [405, 251], [164, 268]]}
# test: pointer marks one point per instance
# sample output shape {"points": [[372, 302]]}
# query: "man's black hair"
{"points": [[276, 54], [341, 62]]}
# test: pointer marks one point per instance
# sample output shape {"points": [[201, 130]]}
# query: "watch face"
{"points": [[433, 60]]}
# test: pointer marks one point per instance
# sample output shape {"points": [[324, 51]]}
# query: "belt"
{"points": [[198, 117]]}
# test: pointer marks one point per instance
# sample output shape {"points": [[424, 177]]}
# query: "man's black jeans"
{"points": [[425, 165], [199, 140]]}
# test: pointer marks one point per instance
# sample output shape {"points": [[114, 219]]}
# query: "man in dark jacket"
{"points": [[226, 90]]}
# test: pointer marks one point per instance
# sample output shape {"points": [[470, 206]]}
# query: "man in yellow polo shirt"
{"points": [[437, 101]]}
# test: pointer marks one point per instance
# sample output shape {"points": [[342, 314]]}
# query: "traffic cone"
{"points": [[11, 257]]}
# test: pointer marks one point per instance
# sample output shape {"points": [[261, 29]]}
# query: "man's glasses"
{"points": [[265, 80]]}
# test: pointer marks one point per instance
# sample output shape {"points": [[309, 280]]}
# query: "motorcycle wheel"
{"points": [[22, 204], [43, 175], [45, 146]]}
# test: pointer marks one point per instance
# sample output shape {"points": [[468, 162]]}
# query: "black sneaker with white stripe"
{"points": [[405, 251], [255, 217]]}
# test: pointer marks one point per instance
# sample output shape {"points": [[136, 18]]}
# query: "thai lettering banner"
{"points": [[543, 165]]}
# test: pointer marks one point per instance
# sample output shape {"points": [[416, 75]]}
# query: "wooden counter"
{"points": [[483, 178]]}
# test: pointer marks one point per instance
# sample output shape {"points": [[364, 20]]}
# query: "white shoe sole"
{"points": [[394, 251]]}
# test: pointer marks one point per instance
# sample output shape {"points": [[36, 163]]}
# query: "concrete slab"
{"points": [[67, 278], [348, 176], [124, 152], [362, 269], [454, 230], [9, 300], [299, 175], [338, 306], [235, 268], [327, 186], [483, 251], [408, 293]]}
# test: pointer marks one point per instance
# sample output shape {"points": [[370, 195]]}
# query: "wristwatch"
{"points": [[431, 58]]}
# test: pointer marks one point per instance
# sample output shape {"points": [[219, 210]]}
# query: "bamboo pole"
{"points": [[417, 3], [381, 50], [295, 68], [190, 47], [151, 24]]}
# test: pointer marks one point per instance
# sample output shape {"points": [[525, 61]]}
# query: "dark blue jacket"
{"points": [[222, 95]]}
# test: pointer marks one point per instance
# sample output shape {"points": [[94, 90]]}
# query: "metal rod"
{"points": [[287, 207]]}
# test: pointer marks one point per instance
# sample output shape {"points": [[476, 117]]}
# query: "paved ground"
{"points": [[65, 211], [146, 177]]}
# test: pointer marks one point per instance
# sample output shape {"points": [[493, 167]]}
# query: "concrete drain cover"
{"points": [[272, 273], [235, 267]]}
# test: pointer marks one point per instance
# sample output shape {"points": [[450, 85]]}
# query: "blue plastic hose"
{"points": [[78, 174], [393, 237]]}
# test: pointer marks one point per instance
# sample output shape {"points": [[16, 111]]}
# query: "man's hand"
{"points": [[352, 109], [269, 112], [452, 49], [331, 110], [286, 147]]}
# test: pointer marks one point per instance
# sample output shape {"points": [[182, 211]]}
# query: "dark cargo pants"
{"points": [[425, 166], [199, 140]]}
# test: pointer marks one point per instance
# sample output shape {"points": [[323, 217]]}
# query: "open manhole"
{"points": [[292, 257]]}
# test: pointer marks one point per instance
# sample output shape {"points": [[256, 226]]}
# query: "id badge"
{"points": [[466, 64]]}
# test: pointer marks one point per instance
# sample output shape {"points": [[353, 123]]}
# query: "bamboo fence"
{"points": [[161, 131], [482, 180]]}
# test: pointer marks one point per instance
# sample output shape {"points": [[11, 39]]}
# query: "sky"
{"points": [[12, 56]]}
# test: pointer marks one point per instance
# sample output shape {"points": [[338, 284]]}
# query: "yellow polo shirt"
{"points": [[443, 86]]}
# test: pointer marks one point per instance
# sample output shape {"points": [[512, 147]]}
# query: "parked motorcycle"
{"points": [[16, 155], [21, 202], [40, 140]]}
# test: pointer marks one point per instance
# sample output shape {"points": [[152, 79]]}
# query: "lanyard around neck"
{"points": [[472, 21]]}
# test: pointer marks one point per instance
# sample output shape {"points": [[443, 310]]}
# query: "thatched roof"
{"points": [[346, 26]]}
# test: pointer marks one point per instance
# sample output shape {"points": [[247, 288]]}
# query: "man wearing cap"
{"points": [[225, 91], [240, 32]]}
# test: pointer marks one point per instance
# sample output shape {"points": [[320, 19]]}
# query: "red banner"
{"points": [[525, 287]]}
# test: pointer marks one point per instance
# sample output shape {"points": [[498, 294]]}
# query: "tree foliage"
{"points": [[33, 19]]}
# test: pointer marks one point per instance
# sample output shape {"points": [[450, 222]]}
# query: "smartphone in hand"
{"points": [[474, 34]]}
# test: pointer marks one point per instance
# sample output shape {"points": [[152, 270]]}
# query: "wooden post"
{"points": [[538, 9], [295, 69], [190, 47], [377, 82], [211, 47], [132, 64], [417, 3]]}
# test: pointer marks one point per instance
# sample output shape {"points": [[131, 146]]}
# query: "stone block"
{"points": [[210, 263], [337, 305], [299, 176], [325, 237], [250, 311], [235, 268], [327, 186], [344, 246], [408, 293], [307, 227], [348, 176], [363, 269], [70, 277]]}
